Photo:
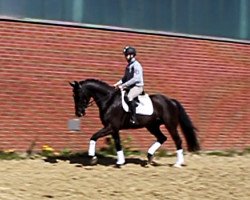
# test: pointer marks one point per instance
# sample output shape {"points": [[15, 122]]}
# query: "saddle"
{"points": [[143, 101]]}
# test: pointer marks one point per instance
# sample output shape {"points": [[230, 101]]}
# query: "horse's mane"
{"points": [[91, 80], [97, 82], [104, 85]]}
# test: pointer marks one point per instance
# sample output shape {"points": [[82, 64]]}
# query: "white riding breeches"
{"points": [[134, 92]]}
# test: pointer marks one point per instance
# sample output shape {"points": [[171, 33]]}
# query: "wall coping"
{"points": [[121, 29]]}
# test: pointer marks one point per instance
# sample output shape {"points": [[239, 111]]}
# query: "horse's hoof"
{"points": [[144, 163], [155, 164], [93, 160], [118, 166], [177, 165], [120, 163], [150, 159]]}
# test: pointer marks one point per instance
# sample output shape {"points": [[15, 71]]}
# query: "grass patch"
{"points": [[218, 153], [164, 153], [108, 151], [111, 150], [227, 153], [10, 155], [246, 151]]}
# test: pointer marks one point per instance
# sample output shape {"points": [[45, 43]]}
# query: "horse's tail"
{"points": [[188, 128]]}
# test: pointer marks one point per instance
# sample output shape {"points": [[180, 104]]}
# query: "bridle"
{"points": [[90, 103]]}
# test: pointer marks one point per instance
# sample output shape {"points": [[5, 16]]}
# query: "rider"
{"points": [[132, 80]]}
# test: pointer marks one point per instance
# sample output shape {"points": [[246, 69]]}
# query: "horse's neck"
{"points": [[100, 94], [104, 97]]}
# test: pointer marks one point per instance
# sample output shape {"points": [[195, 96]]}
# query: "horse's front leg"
{"points": [[120, 154], [92, 143]]}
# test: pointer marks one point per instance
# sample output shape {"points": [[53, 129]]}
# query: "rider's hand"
{"points": [[122, 87], [116, 86]]}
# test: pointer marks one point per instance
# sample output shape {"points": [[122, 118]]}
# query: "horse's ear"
{"points": [[75, 84], [72, 84]]}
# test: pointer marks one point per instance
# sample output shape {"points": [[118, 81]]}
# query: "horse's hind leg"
{"points": [[178, 143], [118, 146], [161, 138]]}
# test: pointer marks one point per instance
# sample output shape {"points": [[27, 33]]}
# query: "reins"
{"points": [[91, 103]]}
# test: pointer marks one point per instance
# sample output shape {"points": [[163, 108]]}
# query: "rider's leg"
{"points": [[134, 92], [132, 107]]}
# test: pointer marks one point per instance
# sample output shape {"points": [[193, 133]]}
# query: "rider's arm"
{"points": [[137, 76], [118, 83], [123, 79]]}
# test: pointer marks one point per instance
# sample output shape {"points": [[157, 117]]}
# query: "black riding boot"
{"points": [[132, 107]]}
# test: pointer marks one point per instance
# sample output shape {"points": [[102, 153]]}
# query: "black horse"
{"points": [[113, 117]]}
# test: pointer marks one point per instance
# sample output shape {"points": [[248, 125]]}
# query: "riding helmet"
{"points": [[128, 50]]}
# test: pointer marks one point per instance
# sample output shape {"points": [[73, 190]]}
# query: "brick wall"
{"points": [[210, 78]]}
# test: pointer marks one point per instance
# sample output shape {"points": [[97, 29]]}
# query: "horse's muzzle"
{"points": [[79, 114]]}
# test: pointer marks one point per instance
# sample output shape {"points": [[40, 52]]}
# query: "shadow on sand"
{"points": [[83, 160]]}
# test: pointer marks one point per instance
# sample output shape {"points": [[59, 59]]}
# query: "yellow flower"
{"points": [[47, 148]]}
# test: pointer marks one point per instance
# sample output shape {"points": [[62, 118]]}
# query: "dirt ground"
{"points": [[203, 177]]}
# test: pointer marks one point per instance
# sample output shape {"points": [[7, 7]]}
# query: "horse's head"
{"points": [[81, 98]]}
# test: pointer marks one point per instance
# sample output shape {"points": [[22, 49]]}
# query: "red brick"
{"points": [[210, 78]]}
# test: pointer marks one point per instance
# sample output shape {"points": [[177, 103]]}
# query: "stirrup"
{"points": [[133, 121]]}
